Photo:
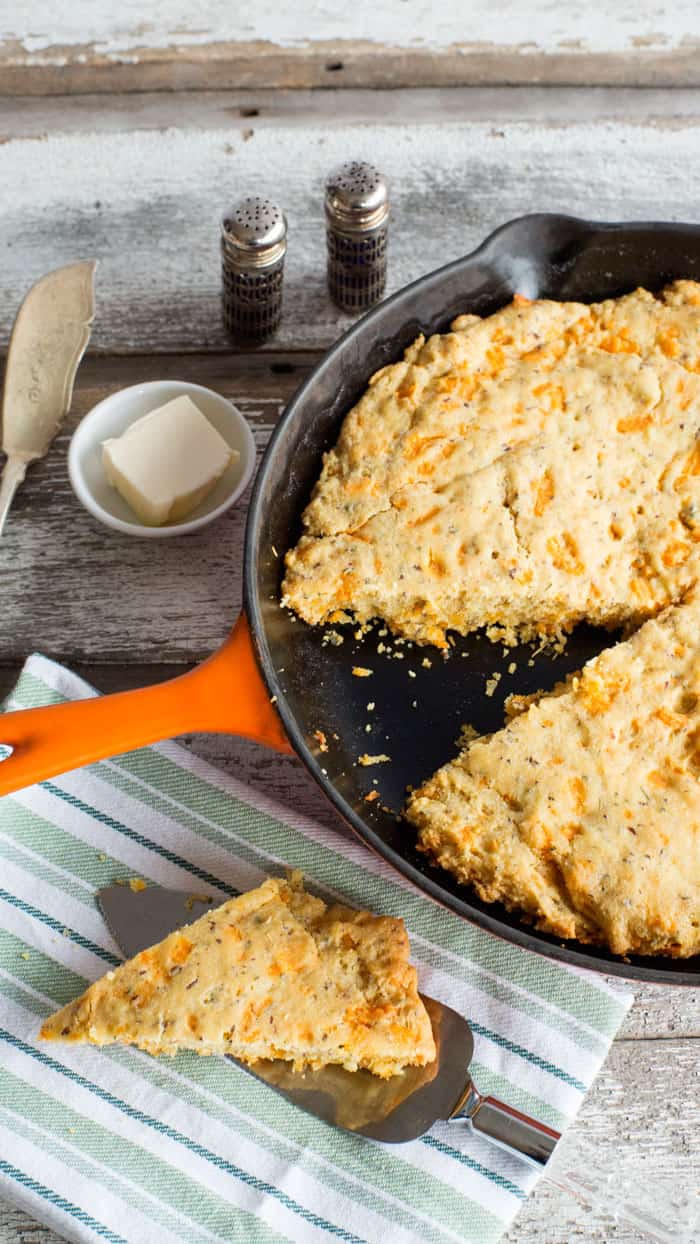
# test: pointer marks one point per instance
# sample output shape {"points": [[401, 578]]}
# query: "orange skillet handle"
{"points": [[225, 694]]}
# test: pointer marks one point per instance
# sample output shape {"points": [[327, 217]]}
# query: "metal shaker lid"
{"points": [[357, 197], [254, 233]]}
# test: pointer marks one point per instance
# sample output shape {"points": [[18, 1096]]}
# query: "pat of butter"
{"points": [[167, 462]]}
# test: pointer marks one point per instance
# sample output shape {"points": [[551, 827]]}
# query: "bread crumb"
{"points": [[512, 667], [321, 740], [274, 551], [24, 954], [373, 794], [427, 663], [492, 683], [102, 857], [370, 706], [137, 884], [467, 733], [333, 637], [365, 760], [197, 898], [361, 671]]}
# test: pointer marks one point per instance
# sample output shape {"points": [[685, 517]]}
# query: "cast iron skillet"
{"points": [[417, 720]]}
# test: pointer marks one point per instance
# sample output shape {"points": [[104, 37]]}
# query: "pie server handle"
{"points": [[574, 1165]]}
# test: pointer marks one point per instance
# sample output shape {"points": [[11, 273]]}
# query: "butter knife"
{"points": [[49, 337]]}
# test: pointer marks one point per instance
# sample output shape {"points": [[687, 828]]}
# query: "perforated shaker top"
{"points": [[254, 230], [357, 197]]}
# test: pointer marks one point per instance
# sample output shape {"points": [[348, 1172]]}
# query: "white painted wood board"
{"points": [[147, 204], [58, 47], [133, 24]]}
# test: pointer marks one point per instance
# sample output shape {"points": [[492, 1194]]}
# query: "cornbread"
{"points": [[273, 974], [521, 472], [583, 813]]}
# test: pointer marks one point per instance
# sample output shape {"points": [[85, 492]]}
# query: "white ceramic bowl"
{"points": [[114, 415]]}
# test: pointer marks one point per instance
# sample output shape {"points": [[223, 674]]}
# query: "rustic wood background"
{"points": [[122, 134]]}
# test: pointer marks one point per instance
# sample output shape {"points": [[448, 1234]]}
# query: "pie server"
{"points": [[406, 1106]]}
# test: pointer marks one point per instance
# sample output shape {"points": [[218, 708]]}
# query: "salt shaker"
{"points": [[357, 224], [253, 247]]}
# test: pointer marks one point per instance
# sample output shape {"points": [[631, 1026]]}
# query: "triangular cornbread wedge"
{"points": [[522, 472], [272, 974], [584, 811]]}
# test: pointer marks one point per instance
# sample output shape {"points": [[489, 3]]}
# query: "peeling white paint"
{"points": [[543, 26]]}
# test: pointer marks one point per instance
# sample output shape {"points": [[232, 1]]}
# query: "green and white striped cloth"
{"points": [[115, 1145]]}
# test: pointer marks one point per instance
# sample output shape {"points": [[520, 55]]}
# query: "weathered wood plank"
{"points": [[643, 1113], [16, 1227], [147, 204], [236, 111], [91, 46]]}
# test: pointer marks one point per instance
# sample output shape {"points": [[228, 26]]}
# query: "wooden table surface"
{"points": [[125, 137]]}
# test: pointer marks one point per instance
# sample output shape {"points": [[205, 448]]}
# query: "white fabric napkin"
{"points": [[115, 1145]]}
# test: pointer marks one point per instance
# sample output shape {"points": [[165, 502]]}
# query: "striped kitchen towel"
{"points": [[116, 1145]]}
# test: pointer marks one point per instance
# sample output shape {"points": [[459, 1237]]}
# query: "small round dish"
{"points": [[114, 415]]}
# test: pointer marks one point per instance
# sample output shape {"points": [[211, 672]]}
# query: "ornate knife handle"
{"points": [[574, 1165]]}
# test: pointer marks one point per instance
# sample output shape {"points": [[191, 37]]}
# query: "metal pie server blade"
{"points": [[49, 337], [406, 1106], [395, 1110]]}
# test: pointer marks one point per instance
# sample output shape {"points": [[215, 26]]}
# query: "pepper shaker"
{"points": [[253, 247], [357, 225]]}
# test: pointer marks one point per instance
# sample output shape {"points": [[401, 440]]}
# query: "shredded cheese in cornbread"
{"points": [[273, 974], [522, 472], [584, 811]]}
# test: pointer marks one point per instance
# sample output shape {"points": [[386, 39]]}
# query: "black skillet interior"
{"points": [[418, 711]]}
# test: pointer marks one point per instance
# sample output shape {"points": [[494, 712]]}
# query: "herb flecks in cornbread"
{"points": [[274, 974], [522, 472], [584, 811]]}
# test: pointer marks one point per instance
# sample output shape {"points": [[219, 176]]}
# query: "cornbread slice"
{"points": [[521, 472], [273, 974], [584, 811]]}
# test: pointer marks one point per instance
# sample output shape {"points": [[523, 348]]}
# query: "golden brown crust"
{"points": [[583, 813], [274, 973], [523, 472]]}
